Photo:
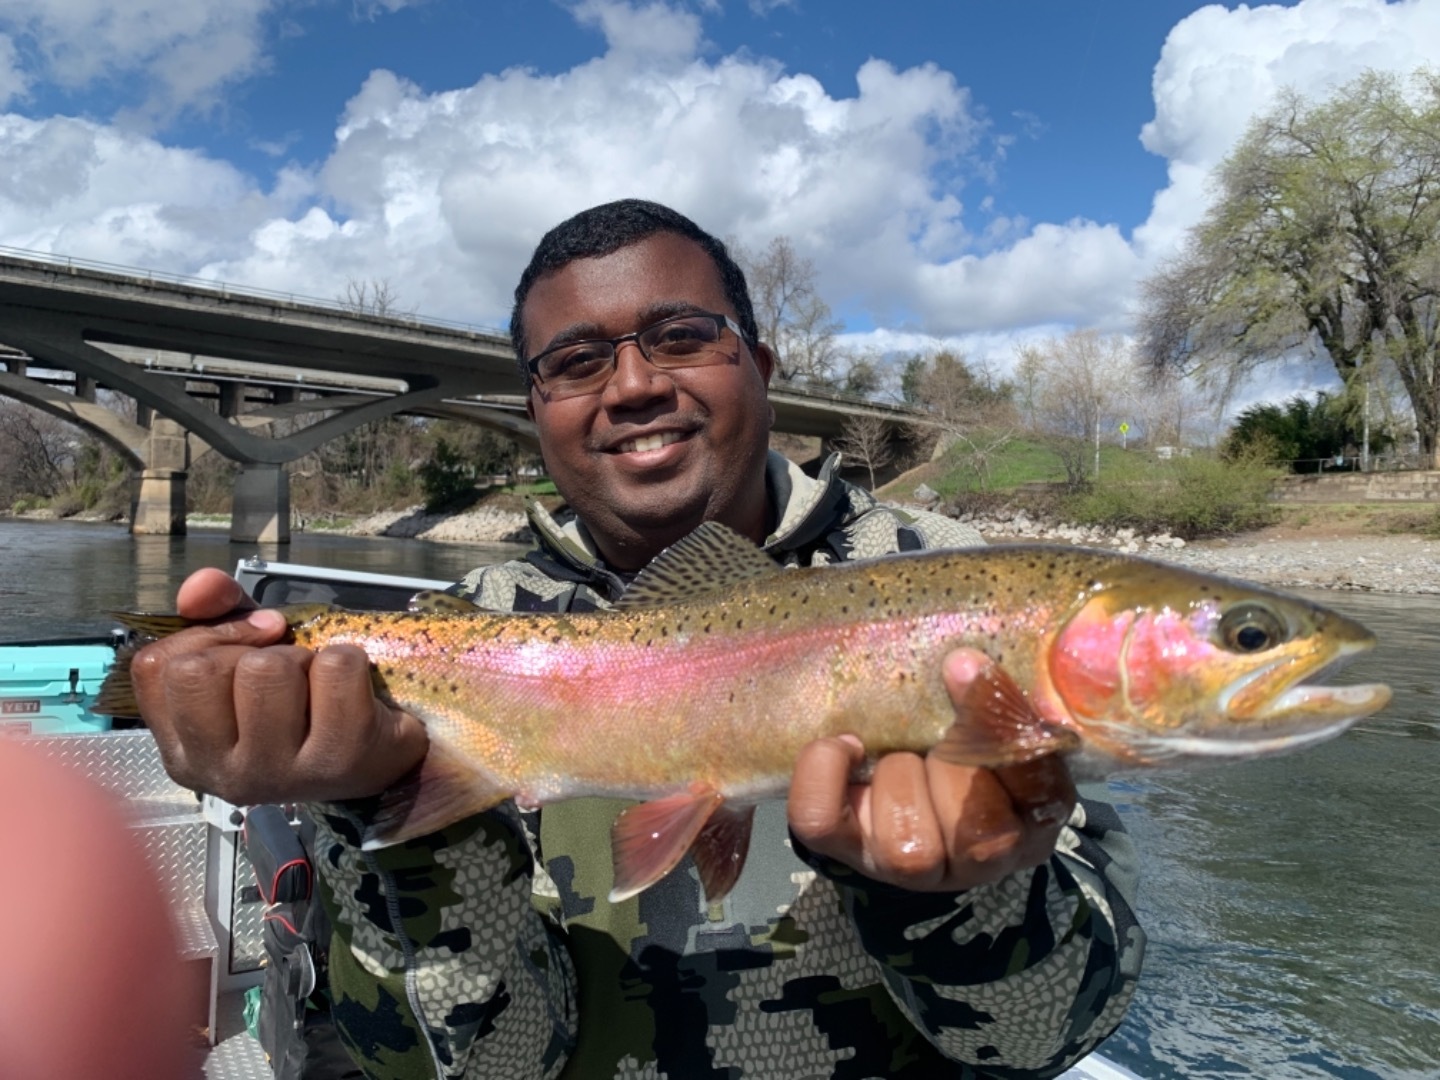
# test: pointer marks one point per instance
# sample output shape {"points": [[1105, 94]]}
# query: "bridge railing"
{"points": [[224, 290]]}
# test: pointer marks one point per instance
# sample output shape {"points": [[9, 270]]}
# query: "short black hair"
{"points": [[605, 229]]}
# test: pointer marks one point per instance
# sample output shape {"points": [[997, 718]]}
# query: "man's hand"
{"points": [[241, 717], [923, 824]]}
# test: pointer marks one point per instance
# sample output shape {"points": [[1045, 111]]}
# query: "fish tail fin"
{"points": [[995, 723], [443, 789], [116, 696]]}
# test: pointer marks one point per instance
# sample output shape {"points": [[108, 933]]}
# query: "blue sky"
{"points": [[971, 173]]}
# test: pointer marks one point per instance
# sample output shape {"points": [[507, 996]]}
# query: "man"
{"points": [[938, 921]]}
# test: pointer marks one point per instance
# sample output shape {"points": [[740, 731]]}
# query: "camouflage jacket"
{"points": [[489, 949]]}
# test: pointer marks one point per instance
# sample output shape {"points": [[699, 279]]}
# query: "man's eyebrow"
{"points": [[646, 316]]}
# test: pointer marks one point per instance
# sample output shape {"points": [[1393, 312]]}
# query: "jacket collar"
{"points": [[806, 509]]}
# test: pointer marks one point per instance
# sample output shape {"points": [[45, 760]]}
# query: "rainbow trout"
{"points": [[697, 692]]}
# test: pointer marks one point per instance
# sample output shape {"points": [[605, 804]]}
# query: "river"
{"points": [[1293, 904]]}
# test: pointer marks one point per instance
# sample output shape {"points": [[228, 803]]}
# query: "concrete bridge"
{"points": [[150, 336]]}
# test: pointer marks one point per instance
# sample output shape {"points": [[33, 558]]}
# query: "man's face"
{"points": [[636, 494]]}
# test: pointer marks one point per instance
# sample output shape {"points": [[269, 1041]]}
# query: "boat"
{"points": [[224, 867]]}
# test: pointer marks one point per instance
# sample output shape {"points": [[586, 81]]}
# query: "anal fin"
{"points": [[440, 791], [650, 839], [995, 723], [720, 850]]}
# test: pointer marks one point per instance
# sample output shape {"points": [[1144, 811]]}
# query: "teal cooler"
{"points": [[47, 689]]}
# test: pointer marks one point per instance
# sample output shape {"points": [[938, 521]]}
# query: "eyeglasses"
{"points": [[584, 367]]}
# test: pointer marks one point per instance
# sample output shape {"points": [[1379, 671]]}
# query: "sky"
{"points": [[969, 174]]}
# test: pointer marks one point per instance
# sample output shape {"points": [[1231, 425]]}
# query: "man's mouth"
{"points": [[649, 442]]}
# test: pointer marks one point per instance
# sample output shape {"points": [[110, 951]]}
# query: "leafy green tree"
{"points": [[1298, 434], [1325, 235]]}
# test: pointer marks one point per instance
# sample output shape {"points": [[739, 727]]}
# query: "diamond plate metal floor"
{"points": [[235, 1056]]}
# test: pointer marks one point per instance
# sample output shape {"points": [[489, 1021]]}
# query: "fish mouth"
{"points": [[1285, 698]]}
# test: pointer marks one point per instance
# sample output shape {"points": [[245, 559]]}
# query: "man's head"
{"points": [[647, 454], [607, 228]]}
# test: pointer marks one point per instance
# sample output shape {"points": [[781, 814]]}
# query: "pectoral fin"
{"points": [[440, 791], [995, 723], [650, 839]]}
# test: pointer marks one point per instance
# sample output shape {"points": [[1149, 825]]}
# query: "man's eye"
{"points": [[576, 363], [680, 336]]}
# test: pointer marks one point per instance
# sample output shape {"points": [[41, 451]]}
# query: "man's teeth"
{"points": [[650, 442]]}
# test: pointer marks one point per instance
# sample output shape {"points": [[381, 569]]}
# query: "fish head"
{"points": [[1176, 668]]}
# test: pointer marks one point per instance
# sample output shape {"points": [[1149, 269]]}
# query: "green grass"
{"points": [[1019, 462], [534, 487]]}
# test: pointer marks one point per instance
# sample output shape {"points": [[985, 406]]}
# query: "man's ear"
{"points": [[764, 360]]}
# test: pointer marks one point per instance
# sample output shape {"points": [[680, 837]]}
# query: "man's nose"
{"points": [[635, 378]]}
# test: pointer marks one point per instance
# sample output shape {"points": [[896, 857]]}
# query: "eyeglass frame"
{"points": [[722, 322]]}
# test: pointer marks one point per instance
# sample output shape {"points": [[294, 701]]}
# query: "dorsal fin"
{"points": [[435, 602], [712, 557]]}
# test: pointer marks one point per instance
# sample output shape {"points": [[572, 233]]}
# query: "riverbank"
{"points": [[1332, 554], [1319, 556]]}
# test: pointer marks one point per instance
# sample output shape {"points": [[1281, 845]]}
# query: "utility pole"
{"points": [[1365, 439]]}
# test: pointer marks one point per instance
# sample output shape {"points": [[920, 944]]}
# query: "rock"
{"points": [[925, 495]]}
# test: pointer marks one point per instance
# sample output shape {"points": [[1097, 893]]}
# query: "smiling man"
{"points": [[939, 920]]}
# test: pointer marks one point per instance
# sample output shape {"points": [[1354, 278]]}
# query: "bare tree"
{"points": [[1079, 386], [374, 297], [971, 405], [867, 440], [792, 318]]}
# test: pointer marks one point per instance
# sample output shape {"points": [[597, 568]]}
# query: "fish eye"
{"points": [[1251, 628]]}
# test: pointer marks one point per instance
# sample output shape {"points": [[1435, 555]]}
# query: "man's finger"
{"points": [[1042, 791], [820, 809], [211, 594], [906, 841], [271, 692], [975, 812], [198, 704]]}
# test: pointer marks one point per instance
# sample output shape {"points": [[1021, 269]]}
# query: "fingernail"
{"points": [[853, 740], [266, 619]]}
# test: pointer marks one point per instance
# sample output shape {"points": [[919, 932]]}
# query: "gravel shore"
{"points": [[1395, 564]]}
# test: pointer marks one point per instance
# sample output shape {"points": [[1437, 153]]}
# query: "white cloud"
{"points": [[77, 188], [181, 52], [373, 9], [445, 194], [13, 81]]}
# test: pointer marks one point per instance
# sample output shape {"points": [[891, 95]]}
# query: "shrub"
{"points": [[1188, 497], [447, 478]]}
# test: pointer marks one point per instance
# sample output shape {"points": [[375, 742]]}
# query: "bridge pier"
{"points": [[159, 508], [260, 507], [159, 505]]}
